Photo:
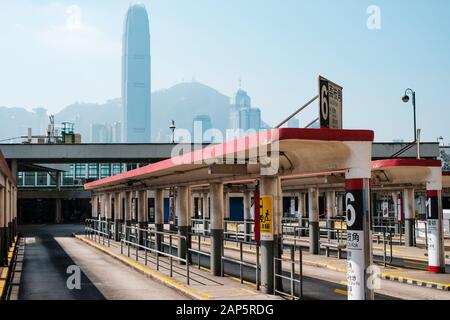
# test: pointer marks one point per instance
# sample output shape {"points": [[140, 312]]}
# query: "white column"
{"points": [[226, 205], [436, 253], [184, 219], [216, 227], [409, 206], [313, 204]]}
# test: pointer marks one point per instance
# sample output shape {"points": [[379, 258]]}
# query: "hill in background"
{"points": [[181, 103]]}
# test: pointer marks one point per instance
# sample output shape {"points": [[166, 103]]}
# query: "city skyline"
{"points": [[373, 66]]}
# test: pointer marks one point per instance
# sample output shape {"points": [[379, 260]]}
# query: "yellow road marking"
{"points": [[413, 258], [345, 283], [414, 262], [249, 291], [239, 280], [388, 250], [340, 291], [4, 271]]}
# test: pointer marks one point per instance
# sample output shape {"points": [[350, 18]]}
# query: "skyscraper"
{"points": [[201, 124], [242, 115], [136, 76], [100, 133]]}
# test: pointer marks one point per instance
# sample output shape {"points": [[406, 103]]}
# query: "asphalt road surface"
{"points": [[41, 270]]}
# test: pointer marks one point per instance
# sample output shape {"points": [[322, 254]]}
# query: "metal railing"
{"points": [[387, 239], [98, 230], [131, 238], [296, 227], [204, 223], [199, 251], [233, 228], [291, 278], [241, 262]]}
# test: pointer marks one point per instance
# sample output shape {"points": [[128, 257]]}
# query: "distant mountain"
{"points": [[181, 103], [85, 114]]}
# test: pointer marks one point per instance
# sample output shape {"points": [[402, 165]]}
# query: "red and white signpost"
{"points": [[436, 259], [359, 257]]}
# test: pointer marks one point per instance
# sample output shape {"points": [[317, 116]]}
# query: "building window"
{"points": [[20, 178], [41, 179], [105, 170], [93, 170], [30, 179]]}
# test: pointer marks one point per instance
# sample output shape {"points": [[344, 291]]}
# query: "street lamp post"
{"points": [[171, 190], [172, 127], [406, 100]]}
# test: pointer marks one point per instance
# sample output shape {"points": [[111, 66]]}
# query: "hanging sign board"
{"points": [[330, 104]]}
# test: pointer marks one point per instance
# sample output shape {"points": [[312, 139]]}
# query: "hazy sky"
{"points": [[49, 58]]}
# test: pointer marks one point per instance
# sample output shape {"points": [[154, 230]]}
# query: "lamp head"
{"points": [[405, 98]]}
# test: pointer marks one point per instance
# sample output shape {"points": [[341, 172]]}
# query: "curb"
{"points": [[153, 274], [389, 277], [416, 282], [5, 274]]}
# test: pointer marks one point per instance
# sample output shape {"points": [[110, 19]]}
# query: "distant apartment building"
{"points": [[100, 133], [293, 123], [200, 125], [117, 132], [106, 133]]}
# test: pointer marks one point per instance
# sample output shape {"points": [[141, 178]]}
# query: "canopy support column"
{"points": [[118, 214], [313, 202], [216, 227], [409, 205], [247, 214], [331, 213], [302, 213], [142, 216], [159, 216], [270, 232], [184, 224], [128, 213]]}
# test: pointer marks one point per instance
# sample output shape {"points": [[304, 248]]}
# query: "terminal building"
{"points": [[42, 182]]}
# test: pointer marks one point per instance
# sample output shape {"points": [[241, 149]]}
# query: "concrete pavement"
{"points": [[202, 286]]}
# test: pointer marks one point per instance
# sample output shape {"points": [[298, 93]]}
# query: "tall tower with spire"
{"points": [[136, 94]]}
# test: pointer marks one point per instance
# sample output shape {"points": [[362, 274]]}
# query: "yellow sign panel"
{"points": [[266, 218]]}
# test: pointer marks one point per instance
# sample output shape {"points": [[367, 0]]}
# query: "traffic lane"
{"points": [[44, 272], [50, 249], [55, 230], [112, 278], [313, 288]]}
